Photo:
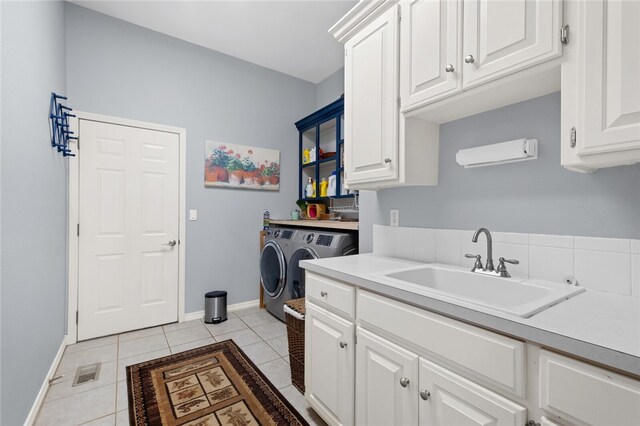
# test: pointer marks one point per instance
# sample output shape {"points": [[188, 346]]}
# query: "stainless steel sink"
{"points": [[514, 296]]}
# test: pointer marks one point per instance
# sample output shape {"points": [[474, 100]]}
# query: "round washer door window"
{"points": [[295, 274], [272, 269]]}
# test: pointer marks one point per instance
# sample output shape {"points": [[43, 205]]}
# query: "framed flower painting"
{"points": [[240, 166]]}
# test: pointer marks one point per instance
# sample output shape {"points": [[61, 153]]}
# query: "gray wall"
{"points": [[119, 69], [330, 89], [33, 191], [538, 196]]}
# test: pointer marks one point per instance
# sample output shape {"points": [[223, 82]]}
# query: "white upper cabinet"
{"points": [[601, 86], [430, 54], [502, 37], [371, 101]]}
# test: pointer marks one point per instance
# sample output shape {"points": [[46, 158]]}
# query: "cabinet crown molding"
{"points": [[361, 14]]}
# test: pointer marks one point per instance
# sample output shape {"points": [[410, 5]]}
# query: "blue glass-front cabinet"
{"points": [[322, 130]]}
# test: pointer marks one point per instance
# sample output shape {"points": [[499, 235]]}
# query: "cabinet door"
{"points": [[611, 65], [502, 37], [371, 101], [431, 38], [386, 383], [449, 399], [329, 368]]}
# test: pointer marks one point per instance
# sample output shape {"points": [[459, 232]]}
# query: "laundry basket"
{"points": [[294, 314]]}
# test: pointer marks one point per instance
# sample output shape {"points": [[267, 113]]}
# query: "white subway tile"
{"points": [[424, 245], [513, 251], [550, 263], [603, 270], [448, 251], [603, 244], [448, 233], [635, 275], [635, 246], [559, 241], [382, 241], [510, 238], [403, 243]]}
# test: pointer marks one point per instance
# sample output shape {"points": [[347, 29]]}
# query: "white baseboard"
{"points": [[31, 418], [231, 308]]}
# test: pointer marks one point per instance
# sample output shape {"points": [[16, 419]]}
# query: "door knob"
{"points": [[171, 243], [387, 160], [343, 345], [404, 382], [469, 59], [425, 394], [323, 294], [449, 68]]}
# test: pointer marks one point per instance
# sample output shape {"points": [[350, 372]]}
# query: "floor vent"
{"points": [[86, 374]]}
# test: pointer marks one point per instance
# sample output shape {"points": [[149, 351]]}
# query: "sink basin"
{"points": [[514, 296]]}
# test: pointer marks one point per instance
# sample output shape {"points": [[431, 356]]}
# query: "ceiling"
{"points": [[287, 36]]}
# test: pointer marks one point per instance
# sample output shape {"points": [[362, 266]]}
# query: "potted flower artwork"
{"points": [[238, 166]]}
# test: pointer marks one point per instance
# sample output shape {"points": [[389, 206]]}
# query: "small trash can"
{"points": [[215, 307], [294, 314]]}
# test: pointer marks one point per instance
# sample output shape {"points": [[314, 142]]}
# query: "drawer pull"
{"points": [[323, 293], [343, 345], [404, 382], [425, 394]]}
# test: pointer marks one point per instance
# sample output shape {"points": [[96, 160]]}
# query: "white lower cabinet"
{"points": [[449, 399], [386, 382], [329, 350]]}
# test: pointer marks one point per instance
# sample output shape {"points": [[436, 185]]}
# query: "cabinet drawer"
{"points": [[485, 355], [332, 294], [587, 394]]}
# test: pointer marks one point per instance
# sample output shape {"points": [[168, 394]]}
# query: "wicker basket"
{"points": [[295, 336]]}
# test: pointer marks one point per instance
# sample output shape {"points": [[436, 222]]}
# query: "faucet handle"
{"points": [[478, 264], [502, 269]]}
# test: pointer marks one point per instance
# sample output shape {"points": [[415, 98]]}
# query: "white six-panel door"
{"points": [[129, 219]]}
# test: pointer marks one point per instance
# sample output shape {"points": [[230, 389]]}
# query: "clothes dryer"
{"points": [[274, 259]]}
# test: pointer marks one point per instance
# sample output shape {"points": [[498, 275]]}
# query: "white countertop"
{"points": [[600, 327]]}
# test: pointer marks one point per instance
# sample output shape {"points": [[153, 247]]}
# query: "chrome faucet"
{"points": [[489, 265], [488, 269]]}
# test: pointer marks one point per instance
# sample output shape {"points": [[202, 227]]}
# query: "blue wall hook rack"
{"points": [[59, 118]]}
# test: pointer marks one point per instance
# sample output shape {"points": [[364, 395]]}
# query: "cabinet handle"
{"points": [[387, 160], [469, 59], [404, 382], [425, 394], [323, 294], [343, 345], [449, 68]]}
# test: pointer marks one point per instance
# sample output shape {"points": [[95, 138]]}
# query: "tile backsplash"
{"points": [[605, 264]]}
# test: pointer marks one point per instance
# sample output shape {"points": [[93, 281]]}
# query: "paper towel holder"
{"points": [[498, 153]]}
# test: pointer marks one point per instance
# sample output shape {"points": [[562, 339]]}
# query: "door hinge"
{"points": [[399, 102], [77, 317], [355, 339], [572, 137], [78, 229], [399, 12], [564, 35]]}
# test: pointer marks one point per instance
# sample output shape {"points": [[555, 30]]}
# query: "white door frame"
{"points": [[74, 203]]}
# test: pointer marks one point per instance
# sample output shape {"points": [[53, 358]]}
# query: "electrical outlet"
{"points": [[193, 214], [394, 218]]}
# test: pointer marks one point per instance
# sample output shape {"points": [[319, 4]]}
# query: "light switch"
{"points": [[193, 214]]}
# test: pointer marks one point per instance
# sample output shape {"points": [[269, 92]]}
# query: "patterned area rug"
{"points": [[215, 385]]}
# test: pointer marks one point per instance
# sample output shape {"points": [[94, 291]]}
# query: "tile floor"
{"points": [[104, 402]]}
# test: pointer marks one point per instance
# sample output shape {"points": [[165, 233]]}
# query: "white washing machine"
{"points": [[274, 259]]}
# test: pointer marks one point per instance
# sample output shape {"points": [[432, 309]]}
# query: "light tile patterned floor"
{"points": [[104, 402]]}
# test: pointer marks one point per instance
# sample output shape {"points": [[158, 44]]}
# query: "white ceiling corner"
{"points": [[286, 36]]}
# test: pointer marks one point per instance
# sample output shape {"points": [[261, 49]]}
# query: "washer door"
{"points": [[272, 269], [295, 274]]}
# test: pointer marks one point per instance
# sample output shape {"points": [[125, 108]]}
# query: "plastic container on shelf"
{"points": [[323, 187], [331, 188]]}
